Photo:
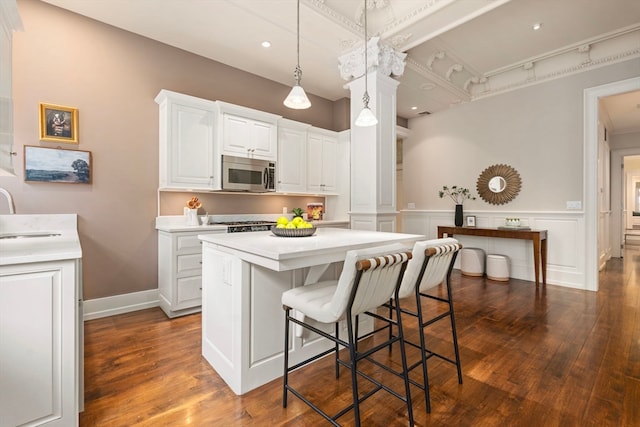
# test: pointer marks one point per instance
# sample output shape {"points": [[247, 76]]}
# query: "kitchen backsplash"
{"points": [[172, 203]]}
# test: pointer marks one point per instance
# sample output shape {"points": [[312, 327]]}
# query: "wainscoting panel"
{"points": [[565, 241]]}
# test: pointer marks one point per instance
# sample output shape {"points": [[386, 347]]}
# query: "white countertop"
{"points": [[39, 249], [286, 253]]}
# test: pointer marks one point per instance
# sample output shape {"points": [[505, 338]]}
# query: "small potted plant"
{"points": [[458, 195], [297, 212]]}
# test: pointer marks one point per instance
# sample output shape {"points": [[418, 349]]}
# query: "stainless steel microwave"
{"points": [[251, 175]]}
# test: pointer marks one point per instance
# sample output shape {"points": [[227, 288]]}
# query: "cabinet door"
{"points": [[248, 138], [329, 163], [314, 163], [236, 134], [191, 148], [38, 338], [292, 160], [264, 140], [322, 151]]}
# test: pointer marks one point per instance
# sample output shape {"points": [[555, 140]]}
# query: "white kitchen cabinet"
{"points": [[322, 161], [180, 271], [41, 344], [248, 133], [187, 152], [291, 168]]}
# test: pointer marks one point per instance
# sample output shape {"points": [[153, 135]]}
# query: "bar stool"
{"points": [[430, 266], [369, 278]]}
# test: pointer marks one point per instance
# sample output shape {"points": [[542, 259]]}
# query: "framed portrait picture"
{"points": [[471, 221], [58, 123], [57, 165]]}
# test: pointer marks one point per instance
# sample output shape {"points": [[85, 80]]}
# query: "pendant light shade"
{"points": [[366, 116], [297, 98]]}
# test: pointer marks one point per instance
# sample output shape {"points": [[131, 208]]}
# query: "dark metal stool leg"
{"points": [[286, 357]]}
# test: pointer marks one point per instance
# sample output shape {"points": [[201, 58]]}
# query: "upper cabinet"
{"points": [[291, 168], [248, 133], [187, 152], [322, 161], [195, 133]]}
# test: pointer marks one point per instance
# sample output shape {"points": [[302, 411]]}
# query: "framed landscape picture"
{"points": [[58, 123], [57, 165]]}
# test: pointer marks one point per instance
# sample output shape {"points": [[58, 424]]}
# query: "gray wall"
{"points": [[538, 130]]}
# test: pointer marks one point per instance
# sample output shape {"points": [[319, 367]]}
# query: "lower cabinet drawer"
{"points": [[188, 243], [189, 292], [189, 262]]}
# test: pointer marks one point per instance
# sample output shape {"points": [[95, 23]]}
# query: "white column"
{"points": [[373, 149]]}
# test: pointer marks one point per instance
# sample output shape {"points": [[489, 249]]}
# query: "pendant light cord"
{"points": [[365, 97], [298, 72]]}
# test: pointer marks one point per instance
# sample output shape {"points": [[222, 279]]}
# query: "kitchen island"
{"points": [[243, 277]]}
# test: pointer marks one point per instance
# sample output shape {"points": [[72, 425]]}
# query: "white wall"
{"points": [[537, 130], [625, 140]]}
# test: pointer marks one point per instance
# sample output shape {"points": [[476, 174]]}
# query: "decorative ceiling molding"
{"points": [[454, 68], [396, 26], [565, 62], [438, 80], [633, 30], [415, 15], [455, 77], [432, 58], [381, 57]]}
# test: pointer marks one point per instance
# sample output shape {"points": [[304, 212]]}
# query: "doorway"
{"points": [[592, 170]]}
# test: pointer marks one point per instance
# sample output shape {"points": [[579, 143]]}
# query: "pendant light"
{"points": [[297, 99], [366, 116]]}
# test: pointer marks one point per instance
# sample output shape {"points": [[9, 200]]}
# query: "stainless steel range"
{"points": [[244, 226]]}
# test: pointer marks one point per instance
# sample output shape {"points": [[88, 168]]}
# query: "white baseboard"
{"points": [[118, 304]]}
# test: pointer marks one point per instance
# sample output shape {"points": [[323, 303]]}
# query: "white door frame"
{"points": [[590, 170]]}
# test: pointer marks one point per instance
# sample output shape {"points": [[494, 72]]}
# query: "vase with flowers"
{"points": [[458, 195]]}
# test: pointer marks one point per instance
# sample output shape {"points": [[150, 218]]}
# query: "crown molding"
{"points": [[465, 85]]}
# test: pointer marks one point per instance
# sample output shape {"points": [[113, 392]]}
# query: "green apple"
{"points": [[290, 225]]}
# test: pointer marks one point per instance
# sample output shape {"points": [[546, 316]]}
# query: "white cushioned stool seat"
{"points": [[472, 261], [498, 267]]}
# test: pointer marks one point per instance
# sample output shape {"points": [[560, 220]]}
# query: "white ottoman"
{"points": [[472, 261], [498, 267]]}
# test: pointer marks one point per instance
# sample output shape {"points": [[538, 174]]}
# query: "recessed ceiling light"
{"points": [[266, 43], [536, 26], [414, 108]]}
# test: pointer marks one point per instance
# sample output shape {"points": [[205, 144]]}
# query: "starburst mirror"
{"points": [[498, 184]]}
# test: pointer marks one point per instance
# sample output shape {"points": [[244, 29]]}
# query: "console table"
{"points": [[538, 237]]}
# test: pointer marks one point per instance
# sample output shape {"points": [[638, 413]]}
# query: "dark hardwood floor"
{"points": [[530, 357]]}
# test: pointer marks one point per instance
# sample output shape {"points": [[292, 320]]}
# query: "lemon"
{"points": [[281, 226], [297, 221], [283, 220], [290, 225]]}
